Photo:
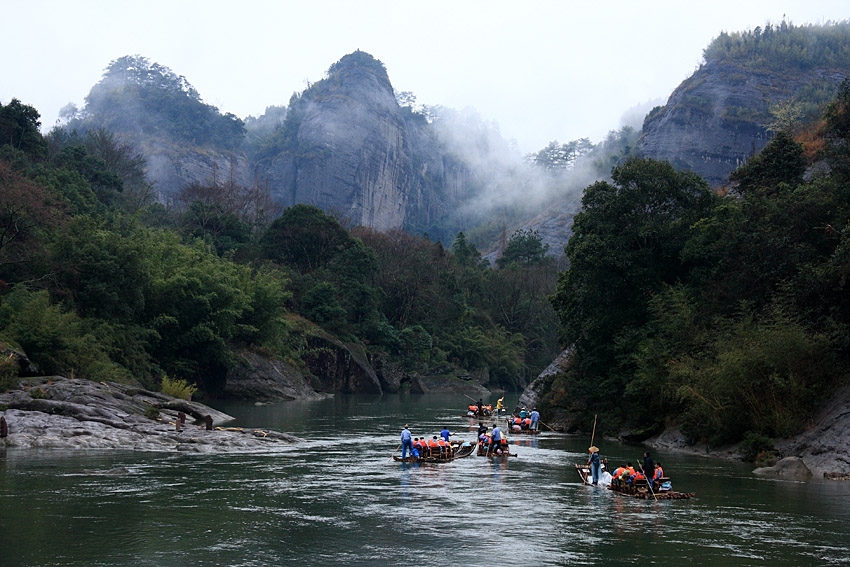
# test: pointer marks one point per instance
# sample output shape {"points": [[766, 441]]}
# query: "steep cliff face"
{"points": [[172, 167], [347, 147], [719, 117]]}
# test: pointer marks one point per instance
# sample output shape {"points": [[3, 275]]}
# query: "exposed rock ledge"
{"points": [[823, 450], [56, 412]]}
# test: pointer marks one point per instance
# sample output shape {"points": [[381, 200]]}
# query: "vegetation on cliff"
{"points": [[726, 313], [98, 281], [135, 95]]}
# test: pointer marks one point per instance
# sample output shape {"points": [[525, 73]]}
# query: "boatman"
{"points": [[595, 464], [406, 441], [500, 405], [535, 420], [495, 438], [445, 434], [648, 467]]}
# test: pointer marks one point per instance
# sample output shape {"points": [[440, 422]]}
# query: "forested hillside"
{"points": [[725, 313], [99, 281]]}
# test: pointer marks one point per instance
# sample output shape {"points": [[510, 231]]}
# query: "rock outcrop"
{"points": [[825, 447], [172, 167], [791, 468], [718, 118], [339, 367], [262, 379], [56, 412], [352, 150], [531, 395]]}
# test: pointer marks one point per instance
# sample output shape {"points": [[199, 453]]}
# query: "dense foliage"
{"points": [[725, 313], [98, 281], [135, 95]]}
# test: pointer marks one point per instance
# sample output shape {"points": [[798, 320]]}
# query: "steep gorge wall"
{"points": [[718, 118]]}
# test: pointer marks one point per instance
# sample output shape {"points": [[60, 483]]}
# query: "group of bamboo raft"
{"points": [[640, 488]]}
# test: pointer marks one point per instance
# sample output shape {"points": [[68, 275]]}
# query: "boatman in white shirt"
{"points": [[406, 442]]}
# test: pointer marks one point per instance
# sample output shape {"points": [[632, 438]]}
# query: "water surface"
{"points": [[338, 499]]}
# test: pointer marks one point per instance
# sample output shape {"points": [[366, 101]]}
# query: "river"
{"points": [[338, 499]]}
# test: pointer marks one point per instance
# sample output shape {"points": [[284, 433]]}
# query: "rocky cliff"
{"points": [[719, 117], [172, 167], [350, 149]]}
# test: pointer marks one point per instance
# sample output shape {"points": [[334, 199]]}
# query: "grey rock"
{"points": [[531, 395], [340, 367], [263, 379], [825, 447], [717, 118], [79, 414], [792, 468]]}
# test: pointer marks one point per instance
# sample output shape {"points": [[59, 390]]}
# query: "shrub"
{"points": [[177, 388], [755, 446]]}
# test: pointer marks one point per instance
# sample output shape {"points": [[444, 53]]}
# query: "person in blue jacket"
{"points": [[406, 442], [445, 434], [535, 420]]}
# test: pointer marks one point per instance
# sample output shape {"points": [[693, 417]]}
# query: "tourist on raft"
{"points": [[495, 439]]}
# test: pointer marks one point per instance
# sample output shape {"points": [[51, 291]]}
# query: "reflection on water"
{"points": [[338, 499]]}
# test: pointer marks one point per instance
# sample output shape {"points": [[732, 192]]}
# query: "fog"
{"points": [[541, 70]]}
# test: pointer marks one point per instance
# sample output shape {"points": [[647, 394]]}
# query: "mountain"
{"points": [[348, 147], [344, 144], [751, 85]]}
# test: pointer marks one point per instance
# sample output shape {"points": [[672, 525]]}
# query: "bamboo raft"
{"points": [[640, 489], [459, 451], [482, 452], [509, 428]]}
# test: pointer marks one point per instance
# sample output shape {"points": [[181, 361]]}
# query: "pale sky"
{"points": [[541, 70]]}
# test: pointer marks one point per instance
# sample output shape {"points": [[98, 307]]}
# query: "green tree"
{"points": [[305, 238], [625, 247], [19, 125]]}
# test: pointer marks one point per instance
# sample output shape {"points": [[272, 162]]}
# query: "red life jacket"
{"points": [[659, 472]]}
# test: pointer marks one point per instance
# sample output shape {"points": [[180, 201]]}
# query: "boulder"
{"points": [[792, 468], [23, 365]]}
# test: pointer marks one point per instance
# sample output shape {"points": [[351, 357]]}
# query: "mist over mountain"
{"points": [[371, 156]]}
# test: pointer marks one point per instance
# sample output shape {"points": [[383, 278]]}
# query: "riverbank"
{"points": [[61, 413], [823, 449]]}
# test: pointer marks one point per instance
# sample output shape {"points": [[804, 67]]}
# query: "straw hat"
{"points": [[594, 449]]}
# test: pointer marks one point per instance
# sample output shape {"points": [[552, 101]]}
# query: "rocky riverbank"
{"points": [[822, 451], [56, 412]]}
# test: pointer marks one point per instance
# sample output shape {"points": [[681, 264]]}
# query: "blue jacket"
{"points": [[445, 433], [405, 435]]}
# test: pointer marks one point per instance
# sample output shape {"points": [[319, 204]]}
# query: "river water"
{"points": [[338, 499]]}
